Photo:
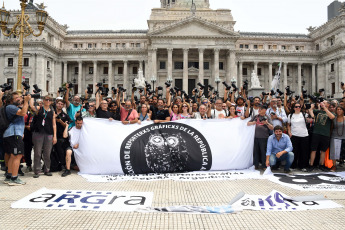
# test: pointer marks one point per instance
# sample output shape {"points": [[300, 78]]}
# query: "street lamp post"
{"points": [[217, 80], [153, 80], [22, 29]]}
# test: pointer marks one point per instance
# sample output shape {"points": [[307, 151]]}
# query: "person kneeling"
{"points": [[73, 134], [279, 148]]}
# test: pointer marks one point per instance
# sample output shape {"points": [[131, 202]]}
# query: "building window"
{"points": [[193, 65], [26, 61], [105, 70], [332, 67], [132, 45], [123, 45], [261, 47], [138, 45], [162, 65], [89, 45], [241, 46], [317, 47], [90, 70], [259, 71], [331, 41], [178, 65], [76, 70], [117, 45], [283, 47], [135, 70], [80, 45], [10, 62], [273, 72], [48, 64], [255, 46], [27, 81], [297, 47], [221, 65], [75, 46], [10, 81], [244, 71], [302, 72], [120, 70], [206, 65], [246, 46], [288, 72], [108, 45]]}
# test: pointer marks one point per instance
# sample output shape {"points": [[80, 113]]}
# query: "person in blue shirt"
{"points": [[72, 108], [279, 148]]}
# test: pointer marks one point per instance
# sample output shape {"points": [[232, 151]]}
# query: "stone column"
{"points": [[240, 75], [299, 80], [125, 74], [185, 70], [41, 66], [326, 77], [94, 79], [201, 65], [313, 80], [51, 86], [233, 67], [170, 61], [2, 67], [65, 72], [216, 65], [146, 72], [228, 67], [285, 75], [256, 68], [110, 75], [336, 77], [80, 74], [154, 63], [141, 65], [34, 70], [57, 77], [270, 76]]}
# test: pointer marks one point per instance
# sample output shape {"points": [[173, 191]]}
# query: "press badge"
{"points": [[43, 122]]}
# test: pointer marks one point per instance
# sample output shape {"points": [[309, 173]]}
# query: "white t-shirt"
{"points": [[240, 111], [198, 116], [215, 113], [74, 135], [298, 126]]}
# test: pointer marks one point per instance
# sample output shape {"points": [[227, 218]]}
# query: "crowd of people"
{"points": [[297, 131]]}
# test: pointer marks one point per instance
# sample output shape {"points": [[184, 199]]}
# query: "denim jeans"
{"points": [[288, 157]]}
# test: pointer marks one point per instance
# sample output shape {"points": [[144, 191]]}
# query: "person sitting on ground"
{"points": [[73, 134], [279, 148]]}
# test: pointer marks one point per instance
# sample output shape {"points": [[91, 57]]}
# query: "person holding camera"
{"points": [[13, 136], [279, 148], [337, 137], [321, 134], [263, 125], [43, 136], [298, 132], [278, 116], [102, 107], [253, 110], [161, 115], [128, 115], [73, 135], [72, 108], [113, 108], [88, 110]]}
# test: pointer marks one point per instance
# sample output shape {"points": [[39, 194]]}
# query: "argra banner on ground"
{"points": [[109, 147]]}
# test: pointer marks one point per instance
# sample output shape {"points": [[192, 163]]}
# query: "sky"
{"points": [[277, 16]]}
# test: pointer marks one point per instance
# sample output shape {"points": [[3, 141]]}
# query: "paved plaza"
{"points": [[166, 193]]}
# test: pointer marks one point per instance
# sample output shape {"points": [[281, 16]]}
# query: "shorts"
{"points": [[320, 141], [14, 145]]}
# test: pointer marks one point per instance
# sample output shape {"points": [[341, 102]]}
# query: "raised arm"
{"points": [[67, 95]]}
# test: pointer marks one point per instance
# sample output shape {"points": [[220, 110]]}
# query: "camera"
{"points": [[202, 87], [36, 89], [167, 84], [296, 97], [89, 90], [210, 87], [177, 89], [25, 85], [321, 90], [35, 95], [272, 92], [304, 92], [234, 86], [245, 85], [160, 88], [148, 86], [280, 92], [61, 90], [122, 89], [114, 90], [172, 91], [308, 106], [263, 119], [226, 86], [195, 90], [70, 85], [273, 113], [288, 91], [105, 91], [264, 94], [134, 88], [6, 87]]}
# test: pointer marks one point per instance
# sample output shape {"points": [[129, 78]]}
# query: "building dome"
{"points": [[200, 4]]}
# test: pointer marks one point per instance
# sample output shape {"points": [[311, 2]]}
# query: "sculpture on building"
{"points": [[255, 80], [140, 81]]}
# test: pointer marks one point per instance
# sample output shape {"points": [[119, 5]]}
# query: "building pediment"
{"points": [[193, 27]]}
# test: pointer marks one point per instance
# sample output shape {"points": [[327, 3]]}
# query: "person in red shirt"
{"points": [[128, 115]]}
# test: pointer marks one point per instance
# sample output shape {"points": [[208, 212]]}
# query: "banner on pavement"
{"points": [[109, 147], [85, 200]]}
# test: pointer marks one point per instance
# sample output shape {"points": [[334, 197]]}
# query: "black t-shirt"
{"points": [[160, 114], [59, 128], [43, 122], [104, 114]]}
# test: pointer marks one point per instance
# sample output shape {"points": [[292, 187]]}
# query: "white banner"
{"points": [[278, 201], [107, 147], [191, 176], [310, 182], [85, 200]]}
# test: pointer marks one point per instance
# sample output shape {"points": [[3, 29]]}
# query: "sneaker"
{"points": [[333, 169], [28, 169], [310, 168], [6, 181], [304, 169], [36, 175], [287, 171], [66, 173], [16, 182], [48, 174], [323, 168]]}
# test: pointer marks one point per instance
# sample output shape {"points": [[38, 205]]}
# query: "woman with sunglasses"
{"points": [[144, 115], [337, 137], [298, 132], [43, 136], [185, 111]]}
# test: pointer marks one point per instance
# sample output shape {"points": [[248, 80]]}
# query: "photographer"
{"points": [[263, 125], [202, 114], [113, 108], [321, 134], [72, 108], [144, 115], [218, 112], [277, 115], [44, 135], [62, 120], [89, 111], [253, 110], [128, 115], [161, 115], [13, 136], [102, 107]]}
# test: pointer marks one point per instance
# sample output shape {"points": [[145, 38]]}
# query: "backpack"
{"points": [[4, 121]]}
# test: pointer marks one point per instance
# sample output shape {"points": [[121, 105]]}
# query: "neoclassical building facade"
{"points": [[183, 43]]}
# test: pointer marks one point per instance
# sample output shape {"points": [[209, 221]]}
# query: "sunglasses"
{"points": [[297, 107], [113, 105], [184, 106], [128, 105], [91, 106], [47, 99]]}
